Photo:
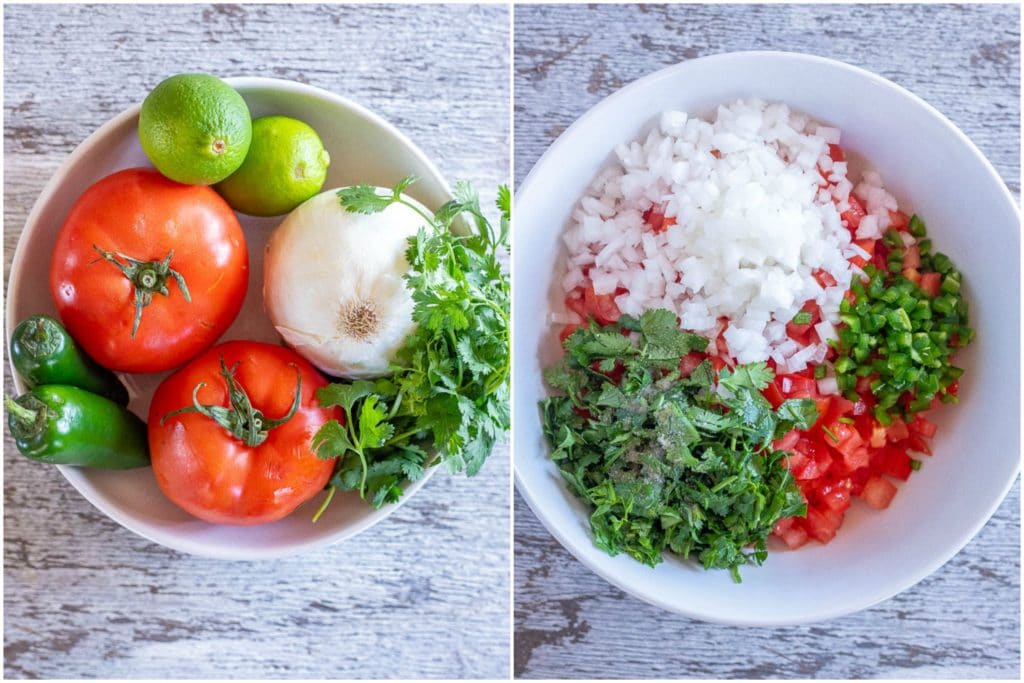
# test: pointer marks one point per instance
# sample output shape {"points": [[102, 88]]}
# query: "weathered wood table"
{"points": [[423, 594], [963, 621]]}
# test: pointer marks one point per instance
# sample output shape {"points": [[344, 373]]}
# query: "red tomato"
{"points": [[797, 386], [836, 152], [912, 258], [898, 220], [824, 278], [923, 426], [930, 283], [853, 215], [878, 492], [689, 362], [655, 217], [800, 332], [601, 307], [221, 477], [139, 214]]}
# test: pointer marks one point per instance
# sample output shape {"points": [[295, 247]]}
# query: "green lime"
{"points": [[195, 129], [286, 165]]}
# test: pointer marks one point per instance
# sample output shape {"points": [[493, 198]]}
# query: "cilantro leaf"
{"points": [[754, 376]]}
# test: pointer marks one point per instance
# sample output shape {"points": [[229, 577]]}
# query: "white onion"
{"points": [[333, 284]]}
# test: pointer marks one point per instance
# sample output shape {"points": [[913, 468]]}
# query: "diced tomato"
{"points": [[822, 526], [717, 364], [824, 278], [880, 258], [794, 537], [856, 458], [689, 362], [918, 445], [614, 375], [892, 461], [783, 525], [836, 495], [923, 426], [912, 274], [656, 219], [867, 245], [930, 283], [824, 407], [787, 442], [601, 307], [716, 154], [797, 386], [954, 388], [878, 492], [912, 257], [799, 332], [836, 152], [898, 220], [878, 434], [898, 430], [854, 214], [773, 393], [566, 332], [576, 305]]}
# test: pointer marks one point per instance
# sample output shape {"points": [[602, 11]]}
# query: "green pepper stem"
{"points": [[20, 412]]}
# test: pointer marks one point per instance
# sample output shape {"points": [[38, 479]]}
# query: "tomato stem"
{"points": [[241, 420], [147, 278]]}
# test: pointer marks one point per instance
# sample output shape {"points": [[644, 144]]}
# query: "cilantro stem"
{"points": [[427, 217], [323, 505]]}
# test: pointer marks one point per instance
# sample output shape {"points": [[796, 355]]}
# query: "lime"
{"points": [[195, 129], [286, 165]]}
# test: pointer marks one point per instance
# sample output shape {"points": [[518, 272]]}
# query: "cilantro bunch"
{"points": [[446, 399], [666, 461]]}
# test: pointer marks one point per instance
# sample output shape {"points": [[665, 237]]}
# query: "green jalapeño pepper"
{"points": [[44, 353], [65, 425]]}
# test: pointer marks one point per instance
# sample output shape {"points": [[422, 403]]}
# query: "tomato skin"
{"points": [[854, 214], [140, 213], [207, 472]]}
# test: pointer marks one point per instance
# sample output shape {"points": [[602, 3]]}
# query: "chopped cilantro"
{"points": [[670, 462]]}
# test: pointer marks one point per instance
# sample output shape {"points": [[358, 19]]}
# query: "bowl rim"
{"points": [[74, 475], [587, 554]]}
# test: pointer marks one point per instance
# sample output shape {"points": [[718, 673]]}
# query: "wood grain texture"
{"points": [[964, 620], [423, 594]]}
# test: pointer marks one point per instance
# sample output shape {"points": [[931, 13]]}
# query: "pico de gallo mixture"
{"points": [[680, 448]]}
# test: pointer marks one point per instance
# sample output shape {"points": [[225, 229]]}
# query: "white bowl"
{"points": [[932, 168], [364, 149]]}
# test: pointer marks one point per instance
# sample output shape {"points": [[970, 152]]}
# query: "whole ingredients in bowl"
{"points": [[195, 128], [446, 397], [334, 284], [146, 272], [230, 434], [666, 461], [64, 425], [43, 352], [150, 268], [286, 165], [749, 232]]}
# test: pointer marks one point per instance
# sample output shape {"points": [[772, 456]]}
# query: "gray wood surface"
{"points": [[963, 621], [423, 594]]}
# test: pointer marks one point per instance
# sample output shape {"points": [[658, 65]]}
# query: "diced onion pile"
{"points": [[753, 220]]}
